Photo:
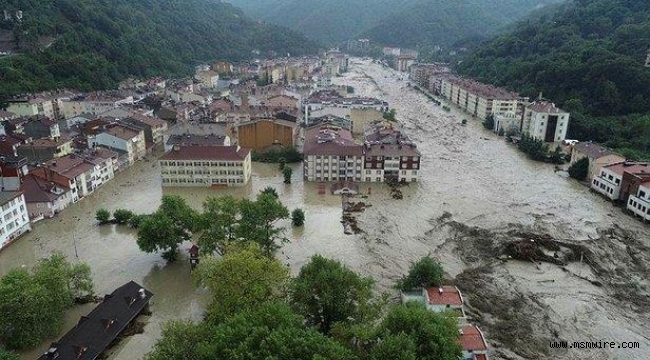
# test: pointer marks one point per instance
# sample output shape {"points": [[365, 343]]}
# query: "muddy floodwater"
{"points": [[476, 194]]}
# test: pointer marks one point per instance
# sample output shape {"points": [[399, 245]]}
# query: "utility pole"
{"points": [[74, 238]]}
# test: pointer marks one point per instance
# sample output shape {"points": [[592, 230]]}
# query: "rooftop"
{"points": [[331, 141], [96, 331], [592, 149], [483, 90], [471, 338], [6, 196], [121, 132], [444, 295], [545, 107], [195, 152], [629, 167], [38, 190], [196, 140]]}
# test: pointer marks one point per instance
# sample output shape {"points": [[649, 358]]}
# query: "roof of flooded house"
{"points": [[593, 150], [197, 140], [231, 153], [471, 338], [330, 141], [629, 167], [121, 132], [484, 90], [148, 120], [391, 150], [97, 330], [269, 119], [46, 143], [545, 107], [6, 196], [480, 357], [38, 190], [450, 295]]}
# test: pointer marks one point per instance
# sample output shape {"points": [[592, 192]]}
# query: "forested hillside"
{"points": [[443, 22], [411, 23], [588, 56], [90, 44]]}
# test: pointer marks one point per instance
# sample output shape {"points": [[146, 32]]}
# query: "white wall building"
{"points": [[544, 121], [14, 219], [206, 166], [639, 204]]}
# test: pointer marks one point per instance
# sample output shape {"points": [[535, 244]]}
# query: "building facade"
{"points": [[544, 121], [206, 166], [14, 219], [259, 134], [639, 203]]}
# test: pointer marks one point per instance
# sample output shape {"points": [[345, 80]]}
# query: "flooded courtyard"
{"points": [[475, 193]]}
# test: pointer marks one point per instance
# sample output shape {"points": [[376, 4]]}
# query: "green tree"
{"points": [[580, 169], [425, 272], [287, 172], [258, 219], [218, 223], [390, 115], [488, 123], [267, 331], [241, 280], [298, 217], [122, 216], [394, 347], [435, 334], [168, 227], [326, 293], [270, 191], [350, 89], [282, 163], [8, 355], [32, 304], [102, 216]]}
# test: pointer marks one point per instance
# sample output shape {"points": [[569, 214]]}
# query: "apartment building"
{"points": [[120, 138], [45, 149], [331, 154], [639, 203], [14, 219], [94, 103], [32, 106], [330, 102], [477, 99], [197, 165], [615, 181], [597, 155], [544, 121], [389, 155], [261, 133]]}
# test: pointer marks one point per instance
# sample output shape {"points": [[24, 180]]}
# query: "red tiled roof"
{"points": [[450, 295], [232, 153], [592, 149], [545, 107], [122, 132], [480, 357], [629, 167], [472, 339], [484, 90], [38, 190], [330, 141]]}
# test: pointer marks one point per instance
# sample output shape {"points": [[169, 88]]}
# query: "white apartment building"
{"points": [[330, 154], [206, 166], [121, 138], [544, 121], [639, 204], [93, 104], [608, 182], [14, 219], [31, 107], [477, 99]]}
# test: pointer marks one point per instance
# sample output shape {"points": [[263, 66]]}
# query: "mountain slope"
{"points": [[443, 22], [588, 57], [93, 44], [329, 21]]}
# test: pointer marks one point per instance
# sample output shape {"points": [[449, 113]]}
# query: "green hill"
{"points": [[93, 44], [443, 22], [588, 56]]}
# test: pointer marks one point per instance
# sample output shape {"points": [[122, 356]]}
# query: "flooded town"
{"points": [[537, 256]]}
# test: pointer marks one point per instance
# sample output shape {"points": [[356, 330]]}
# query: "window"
{"points": [[367, 179], [368, 172], [378, 179], [403, 172]]}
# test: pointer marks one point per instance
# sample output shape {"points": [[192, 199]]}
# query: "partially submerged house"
{"points": [[98, 330]]}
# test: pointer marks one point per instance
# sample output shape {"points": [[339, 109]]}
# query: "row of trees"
{"points": [[222, 221], [32, 303], [257, 311]]}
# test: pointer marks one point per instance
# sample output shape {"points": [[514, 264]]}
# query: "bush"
{"points": [[501, 132], [488, 123], [580, 169], [350, 89], [287, 172], [270, 191], [136, 220], [535, 149], [464, 122], [122, 216], [298, 217], [275, 155], [425, 272], [103, 216]]}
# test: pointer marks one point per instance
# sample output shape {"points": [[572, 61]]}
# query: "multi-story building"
{"points": [[122, 139], [422, 74], [437, 299], [206, 166], [32, 107], [597, 155], [196, 140], [261, 133], [45, 197], [477, 99], [45, 149], [331, 154], [14, 219], [12, 170], [329, 102], [40, 127], [544, 121], [611, 180], [94, 104], [473, 343], [639, 203], [389, 155]]}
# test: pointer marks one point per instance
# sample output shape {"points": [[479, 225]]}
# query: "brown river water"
{"points": [[467, 172]]}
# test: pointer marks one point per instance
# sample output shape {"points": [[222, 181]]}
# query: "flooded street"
{"points": [[473, 187]]}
